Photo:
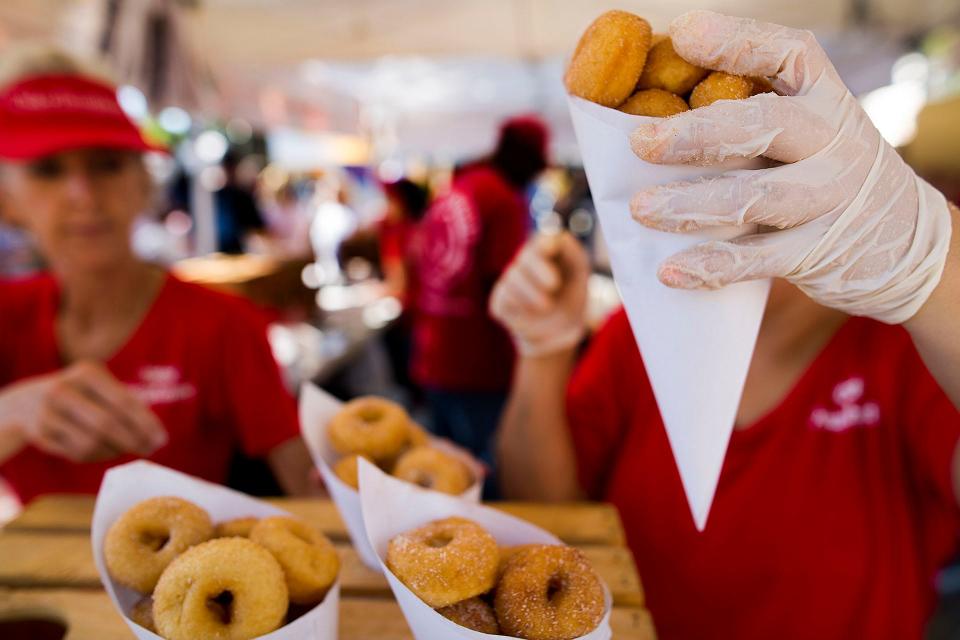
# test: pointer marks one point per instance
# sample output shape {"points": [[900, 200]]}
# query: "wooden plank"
{"points": [[56, 560], [90, 614], [576, 523]]}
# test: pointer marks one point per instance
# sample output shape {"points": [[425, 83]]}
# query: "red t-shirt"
{"points": [[833, 512], [465, 241], [200, 359], [395, 244]]}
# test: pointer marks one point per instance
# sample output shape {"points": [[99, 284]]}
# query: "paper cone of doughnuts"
{"points": [[696, 345], [392, 507], [317, 407], [126, 485]]}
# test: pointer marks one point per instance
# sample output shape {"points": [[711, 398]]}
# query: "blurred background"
{"points": [[292, 122]]}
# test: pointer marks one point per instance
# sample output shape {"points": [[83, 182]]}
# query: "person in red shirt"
{"points": [[461, 356], [107, 358], [839, 499], [406, 205]]}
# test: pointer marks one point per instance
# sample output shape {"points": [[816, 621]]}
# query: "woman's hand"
{"points": [[854, 227], [541, 297], [81, 413]]}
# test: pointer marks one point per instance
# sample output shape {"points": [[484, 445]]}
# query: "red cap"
{"points": [[44, 115]]}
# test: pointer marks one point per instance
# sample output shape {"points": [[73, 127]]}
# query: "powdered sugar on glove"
{"points": [[853, 226], [542, 297]]}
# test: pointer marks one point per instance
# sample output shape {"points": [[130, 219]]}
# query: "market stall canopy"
{"points": [[434, 77], [278, 32]]}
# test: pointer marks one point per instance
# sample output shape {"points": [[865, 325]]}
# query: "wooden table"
{"points": [[46, 568]]}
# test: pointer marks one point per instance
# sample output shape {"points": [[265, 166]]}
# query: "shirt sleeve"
{"points": [[255, 402], [596, 414], [931, 429], [505, 229]]}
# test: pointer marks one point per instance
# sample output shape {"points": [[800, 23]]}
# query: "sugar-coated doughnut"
{"points": [[548, 592], [666, 70], [369, 426], [472, 613], [142, 614], [760, 85], [445, 561], [235, 528], [224, 589], [147, 537], [433, 469], [609, 58], [309, 560], [655, 103], [720, 86]]}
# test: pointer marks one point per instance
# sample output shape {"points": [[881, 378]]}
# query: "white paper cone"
{"points": [[696, 345], [392, 507], [317, 407], [126, 485]]}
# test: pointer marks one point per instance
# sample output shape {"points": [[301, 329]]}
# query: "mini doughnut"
{"points": [[760, 85], [507, 554], [236, 528], [720, 86], [417, 436], [147, 537], [445, 561], [548, 592], [666, 70], [609, 58], [433, 469], [346, 470], [224, 589], [309, 560], [655, 103], [472, 613], [142, 614], [369, 426]]}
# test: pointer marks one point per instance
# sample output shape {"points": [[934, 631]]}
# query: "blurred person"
{"points": [[838, 500], [106, 358], [238, 217], [333, 222], [406, 204], [287, 221], [461, 356]]}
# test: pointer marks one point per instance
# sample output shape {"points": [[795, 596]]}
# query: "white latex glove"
{"points": [[857, 229], [542, 296]]}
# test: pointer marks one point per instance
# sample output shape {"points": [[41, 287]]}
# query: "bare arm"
{"points": [[541, 299], [535, 452], [936, 332], [936, 327], [292, 467]]}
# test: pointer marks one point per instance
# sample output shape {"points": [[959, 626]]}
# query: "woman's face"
{"points": [[79, 205]]}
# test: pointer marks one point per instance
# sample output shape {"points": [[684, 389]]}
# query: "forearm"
{"points": [[291, 465], [936, 327], [12, 439], [536, 456]]}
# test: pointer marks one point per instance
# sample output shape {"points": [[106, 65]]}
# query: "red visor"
{"points": [[50, 114]]}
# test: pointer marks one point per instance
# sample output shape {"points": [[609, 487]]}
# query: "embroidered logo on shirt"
{"points": [[851, 411], [162, 384]]}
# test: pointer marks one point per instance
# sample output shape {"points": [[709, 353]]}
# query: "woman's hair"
{"points": [[22, 61]]}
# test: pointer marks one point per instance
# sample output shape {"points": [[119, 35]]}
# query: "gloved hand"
{"points": [[542, 296], [855, 228]]}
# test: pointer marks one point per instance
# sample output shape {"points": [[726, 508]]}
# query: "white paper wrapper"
{"points": [[696, 345], [391, 507], [317, 407], [128, 484]]}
